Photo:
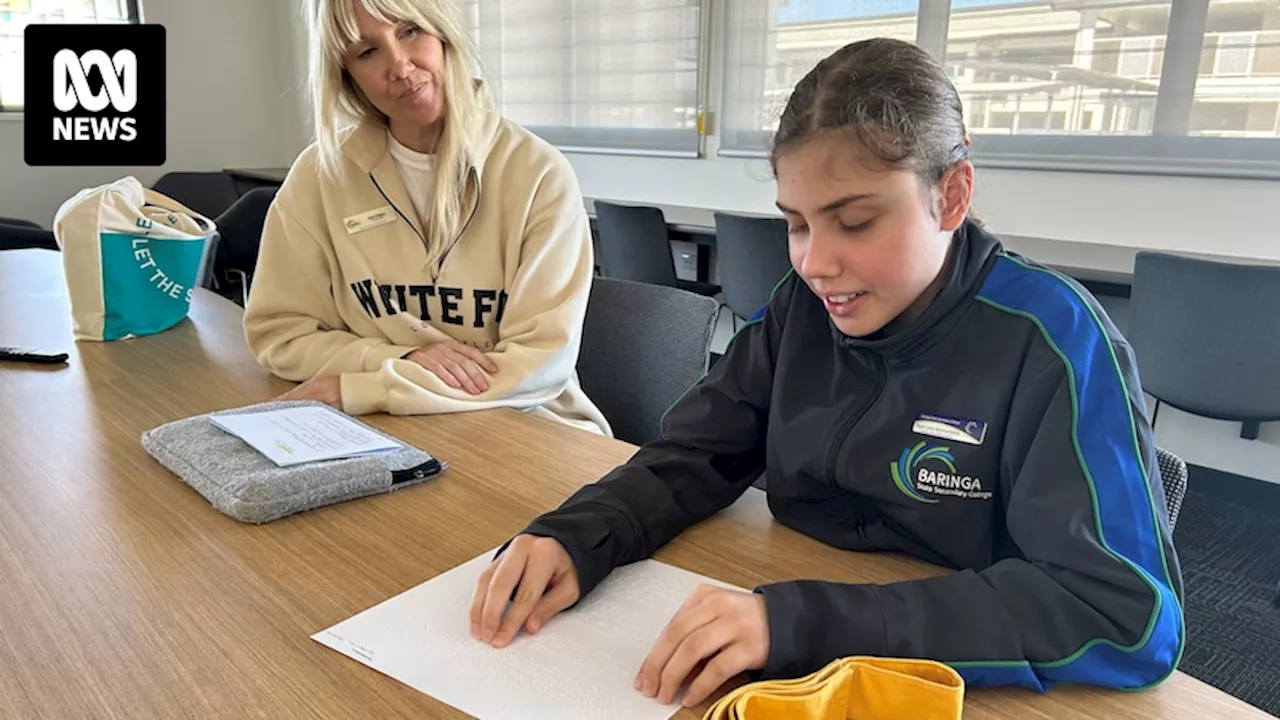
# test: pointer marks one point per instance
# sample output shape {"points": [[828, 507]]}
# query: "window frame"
{"points": [[133, 13], [1168, 150], [1251, 49]]}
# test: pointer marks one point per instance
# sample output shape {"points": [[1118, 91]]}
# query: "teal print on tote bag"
{"points": [[146, 283], [132, 259]]}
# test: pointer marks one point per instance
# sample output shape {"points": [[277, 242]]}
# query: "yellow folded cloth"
{"points": [[852, 688]]}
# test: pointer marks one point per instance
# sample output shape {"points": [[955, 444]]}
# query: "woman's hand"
{"points": [[325, 388], [723, 632], [536, 576], [458, 365]]}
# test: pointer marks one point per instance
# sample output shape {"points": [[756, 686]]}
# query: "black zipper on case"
{"points": [[425, 470]]}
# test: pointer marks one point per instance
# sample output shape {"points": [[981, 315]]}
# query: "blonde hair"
{"points": [[337, 103]]}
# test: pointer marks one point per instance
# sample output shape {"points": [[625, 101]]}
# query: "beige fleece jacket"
{"points": [[345, 284]]}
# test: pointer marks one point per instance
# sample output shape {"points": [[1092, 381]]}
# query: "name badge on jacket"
{"points": [[369, 220], [963, 430]]}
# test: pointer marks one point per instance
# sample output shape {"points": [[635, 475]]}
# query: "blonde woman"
{"points": [[424, 255]]}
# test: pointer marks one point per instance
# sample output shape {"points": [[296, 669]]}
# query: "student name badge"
{"points": [[369, 220], [962, 430]]}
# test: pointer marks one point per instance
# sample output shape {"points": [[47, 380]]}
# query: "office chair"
{"points": [[208, 193], [634, 245], [17, 234], [751, 257], [19, 222], [1173, 476], [1207, 337], [241, 229], [207, 262], [658, 338]]}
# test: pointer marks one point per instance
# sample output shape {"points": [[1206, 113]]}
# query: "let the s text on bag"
{"points": [[132, 258]]}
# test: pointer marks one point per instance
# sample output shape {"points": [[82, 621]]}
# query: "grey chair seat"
{"points": [[1207, 336], [643, 346], [751, 257]]}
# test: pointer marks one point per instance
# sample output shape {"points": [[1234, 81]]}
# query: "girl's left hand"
{"points": [[728, 630]]}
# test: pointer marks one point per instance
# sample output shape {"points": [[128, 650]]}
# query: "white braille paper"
{"points": [[581, 665]]}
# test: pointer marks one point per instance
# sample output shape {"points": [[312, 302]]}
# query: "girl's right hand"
{"points": [[536, 576]]}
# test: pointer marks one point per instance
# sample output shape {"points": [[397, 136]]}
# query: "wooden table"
{"points": [[123, 594]]}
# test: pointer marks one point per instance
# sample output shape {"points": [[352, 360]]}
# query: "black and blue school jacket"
{"points": [[1003, 435]]}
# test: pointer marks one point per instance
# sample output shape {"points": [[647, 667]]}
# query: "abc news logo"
{"points": [[95, 95], [71, 90]]}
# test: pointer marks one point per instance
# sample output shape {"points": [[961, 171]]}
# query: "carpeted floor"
{"points": [[1229, 544]]}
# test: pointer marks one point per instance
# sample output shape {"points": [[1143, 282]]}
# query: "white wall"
{"points": [[230, 78], [1212, 216]]}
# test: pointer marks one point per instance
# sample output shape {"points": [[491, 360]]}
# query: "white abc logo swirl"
{"points": [[119, 76]]}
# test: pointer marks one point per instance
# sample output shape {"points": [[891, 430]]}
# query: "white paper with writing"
{"points": [[291, 436], [579, 667]]}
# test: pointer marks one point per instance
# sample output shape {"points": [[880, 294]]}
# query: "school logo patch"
{"points": [[924, 471]]}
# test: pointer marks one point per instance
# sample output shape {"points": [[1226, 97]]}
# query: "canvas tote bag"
{"points": [[132, 258]]}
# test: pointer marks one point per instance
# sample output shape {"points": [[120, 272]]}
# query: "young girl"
{"points": [[911, 387], [424, 255]]}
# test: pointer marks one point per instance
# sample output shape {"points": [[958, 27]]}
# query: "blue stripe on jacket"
{"points": [[1106, 443]]}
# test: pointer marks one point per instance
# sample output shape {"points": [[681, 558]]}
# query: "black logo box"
{"points": [[146, 148]]}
